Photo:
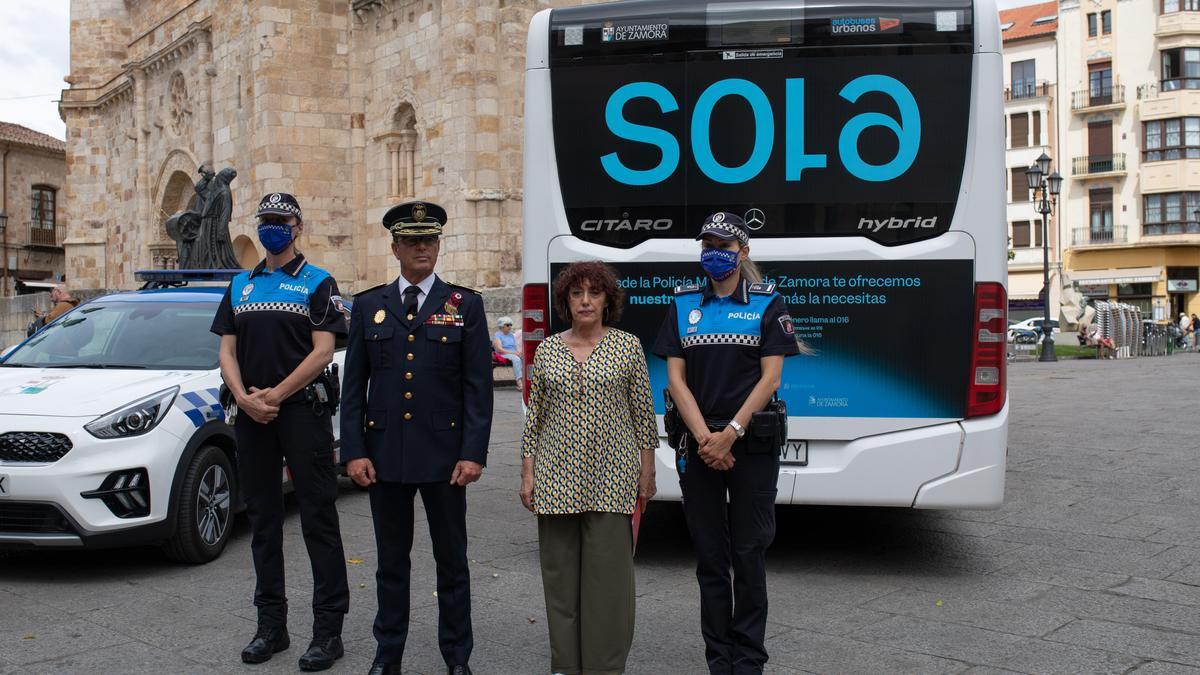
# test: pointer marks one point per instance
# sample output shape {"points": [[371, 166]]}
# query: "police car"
{"points": [[111, 431]]}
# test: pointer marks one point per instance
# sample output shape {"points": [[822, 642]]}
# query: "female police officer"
{"points": [[277, 324], [725, 343]]}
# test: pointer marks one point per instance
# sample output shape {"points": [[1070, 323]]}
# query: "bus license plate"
{"points": [[794, 452], [1025, 347]]}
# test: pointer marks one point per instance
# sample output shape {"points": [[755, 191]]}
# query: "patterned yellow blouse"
{"points": [[587, 425]]}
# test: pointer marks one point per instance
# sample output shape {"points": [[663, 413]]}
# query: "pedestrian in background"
{"points": [[587, 457], [1195, 332], [504, 342]]}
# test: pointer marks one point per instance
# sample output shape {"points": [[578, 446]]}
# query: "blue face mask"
{"points": [[275, 237], [719, 263]]}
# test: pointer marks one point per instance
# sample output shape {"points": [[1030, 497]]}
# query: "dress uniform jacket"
{"points": [[417, 395]]}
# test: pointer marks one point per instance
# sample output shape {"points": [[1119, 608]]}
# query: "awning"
{"points": [[47, 285], [1123, 275], [1024, 285]]}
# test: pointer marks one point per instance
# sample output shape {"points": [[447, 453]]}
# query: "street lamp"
{"points": [[1045, 187], [4, 252]]}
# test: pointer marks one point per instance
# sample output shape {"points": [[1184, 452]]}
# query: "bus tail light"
{"points": [[988, 387], [535, 321]]}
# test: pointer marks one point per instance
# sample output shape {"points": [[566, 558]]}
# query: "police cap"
{"points": [[415, 219], [725, 225], [279, 204]]}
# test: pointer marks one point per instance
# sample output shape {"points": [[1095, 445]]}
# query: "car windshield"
{"points": [[114, 334]]}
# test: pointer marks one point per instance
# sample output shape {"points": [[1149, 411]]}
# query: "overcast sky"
{"points": [[34, 59]]}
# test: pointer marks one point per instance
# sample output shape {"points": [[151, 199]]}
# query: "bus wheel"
{"points": [[205, 513]]}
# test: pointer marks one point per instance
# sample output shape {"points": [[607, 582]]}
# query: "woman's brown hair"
{"points": [[601, 277]]}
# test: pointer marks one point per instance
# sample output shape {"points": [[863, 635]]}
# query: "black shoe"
{"points": [[464, 669], [381, 668], [322, 652], [266, 642]]}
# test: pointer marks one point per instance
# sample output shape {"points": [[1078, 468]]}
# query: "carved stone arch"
{"points": [[168, 197], [401, 139]]}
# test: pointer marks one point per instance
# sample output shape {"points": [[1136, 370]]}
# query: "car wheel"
{"points": [[205, 513]]}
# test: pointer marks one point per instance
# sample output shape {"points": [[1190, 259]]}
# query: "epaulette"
{"points": [[762, 288], [369, 290], [464, 288], [687, 288]]}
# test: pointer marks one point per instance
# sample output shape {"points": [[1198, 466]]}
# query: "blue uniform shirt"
{"points": [[273, 315], [722, 340]]}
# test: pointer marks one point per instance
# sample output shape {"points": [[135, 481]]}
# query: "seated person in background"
{"points": [[63, 303], [504, 342]]}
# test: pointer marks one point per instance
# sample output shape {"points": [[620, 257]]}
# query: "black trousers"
{"points": [[733, 612], [446, 511], [305, 439]]}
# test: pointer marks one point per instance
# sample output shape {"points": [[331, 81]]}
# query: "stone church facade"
{"points": [[351, 105]]}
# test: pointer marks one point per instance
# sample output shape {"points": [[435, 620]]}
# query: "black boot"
{"points": [[267, 642], [322, 652]]}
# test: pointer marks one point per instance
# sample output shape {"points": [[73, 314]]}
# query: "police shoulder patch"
{"points": [[762, 288], [687, 288]]}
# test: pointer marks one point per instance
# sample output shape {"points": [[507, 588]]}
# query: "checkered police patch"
{"points": [[200, 406], [720, 339], [294, 308]]}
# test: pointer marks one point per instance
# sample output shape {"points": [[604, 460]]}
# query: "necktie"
{"points": [[410, 301]]}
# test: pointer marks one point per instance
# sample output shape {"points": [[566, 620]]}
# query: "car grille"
{"points": [[42, 518], [33, 446]]}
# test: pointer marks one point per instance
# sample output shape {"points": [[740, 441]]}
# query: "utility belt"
{"points": [[323, 393], [767, 432]]}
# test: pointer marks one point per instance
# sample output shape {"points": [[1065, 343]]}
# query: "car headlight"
{"points": [[135, 419]]}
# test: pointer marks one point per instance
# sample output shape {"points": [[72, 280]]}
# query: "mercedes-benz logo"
{"points": [[755, 219]]}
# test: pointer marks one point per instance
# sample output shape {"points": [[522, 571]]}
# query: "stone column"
{"points": [[394, 161], [205, 122], [142, 197], [408, 155]]}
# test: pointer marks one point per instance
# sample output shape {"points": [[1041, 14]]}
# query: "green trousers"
{"points": [[587, 572]]}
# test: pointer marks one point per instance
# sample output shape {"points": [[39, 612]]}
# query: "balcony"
{"points": [[1098, 166], [43, 236], [1028, 90], [1086, 236], [1096, 99], [1169, 98], [1170, 228], [1170, 175], [1177, 24]]}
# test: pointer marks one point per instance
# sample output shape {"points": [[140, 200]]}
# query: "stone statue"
{"points": [[202, 234]]}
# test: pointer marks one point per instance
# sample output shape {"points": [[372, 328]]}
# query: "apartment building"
{"points": [[1030, 105], [1130, 209]]}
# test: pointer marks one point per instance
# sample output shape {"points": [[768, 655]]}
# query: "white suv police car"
{"points": [[111, 432]]}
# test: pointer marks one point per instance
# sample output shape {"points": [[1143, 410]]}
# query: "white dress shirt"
{"points": [[425, 285]]}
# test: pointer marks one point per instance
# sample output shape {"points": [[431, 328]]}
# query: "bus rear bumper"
{"points": [[959, 465]]}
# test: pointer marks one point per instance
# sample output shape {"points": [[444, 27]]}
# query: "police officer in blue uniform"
{"points": [[416, 418], [277, 324], [724, 343]]}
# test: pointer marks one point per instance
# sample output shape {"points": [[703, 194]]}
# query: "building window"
{"points": [[1181, 68], [1100, 205], [1170, 213], [1020, 234], [1164, 140], [1138, 295], [1100, 83], [42, 207], [1106, 22], [1020, 185], [1037, 127], [1020, 130], [1169, 6], [1024, 79], [1092, 24]]}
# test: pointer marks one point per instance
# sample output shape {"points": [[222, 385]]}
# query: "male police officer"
{"points": [[277, 324], [416, 417]]}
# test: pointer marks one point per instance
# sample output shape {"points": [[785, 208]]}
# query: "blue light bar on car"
{"points": [[183, 276]]}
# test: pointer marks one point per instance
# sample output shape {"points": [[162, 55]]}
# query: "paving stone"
{"points": [[954, 608], [1164, 645]]}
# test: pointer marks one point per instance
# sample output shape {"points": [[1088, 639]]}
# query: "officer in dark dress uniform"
{"points": [[277, 324], [724, 343], [416, 417]]}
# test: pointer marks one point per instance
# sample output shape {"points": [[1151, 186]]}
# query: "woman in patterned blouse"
{"points": [[588, 456]]}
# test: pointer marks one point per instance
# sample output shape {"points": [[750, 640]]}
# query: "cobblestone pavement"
{"points": [[1093, 565]]}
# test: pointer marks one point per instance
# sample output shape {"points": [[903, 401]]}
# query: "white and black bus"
{"points": [[864, 144]]}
